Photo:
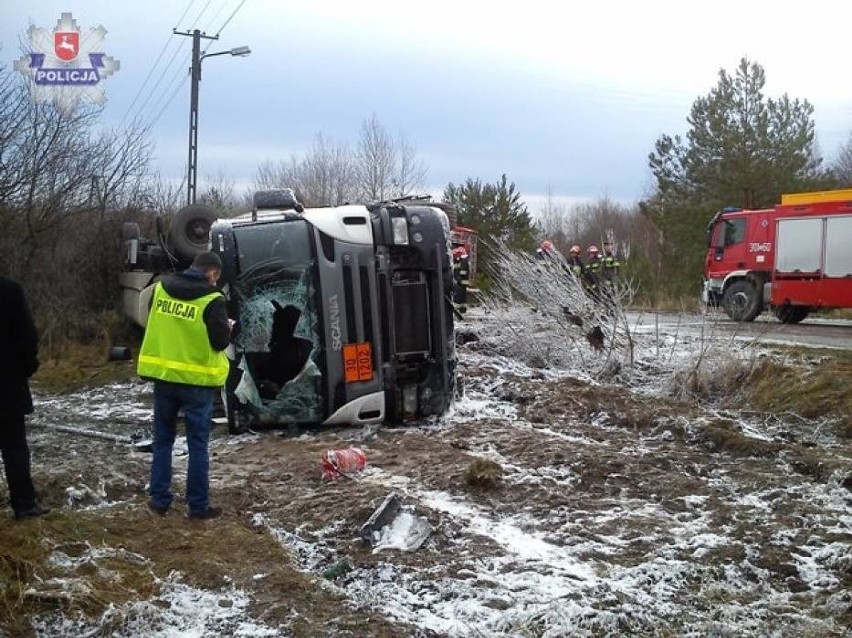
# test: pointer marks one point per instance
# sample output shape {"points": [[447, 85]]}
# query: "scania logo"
{"points": [[334, 317]]}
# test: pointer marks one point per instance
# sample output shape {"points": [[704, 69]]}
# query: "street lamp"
{"points": [[195, 71]]}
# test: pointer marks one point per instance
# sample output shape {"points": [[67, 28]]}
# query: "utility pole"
{"points": [[195, 77]]}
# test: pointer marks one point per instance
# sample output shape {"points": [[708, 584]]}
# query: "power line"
{"points": [[154, 66], [214, 17], [145, 81], [166, 97], [170, 64], [239, 6], [159, 80], [185, 11], [171, 98], [201, 13]]}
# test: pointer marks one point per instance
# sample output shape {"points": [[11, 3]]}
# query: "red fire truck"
{"points": [[794, 258]]}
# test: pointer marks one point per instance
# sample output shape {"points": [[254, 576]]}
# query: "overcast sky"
{"points": [[562, 97]]}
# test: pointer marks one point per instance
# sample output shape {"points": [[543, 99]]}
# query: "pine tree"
{"points": [[742, 149], [495, 211]]}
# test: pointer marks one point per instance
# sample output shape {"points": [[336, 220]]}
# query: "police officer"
{"points": [[182, 352]]}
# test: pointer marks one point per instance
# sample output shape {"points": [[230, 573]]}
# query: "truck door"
{"points": [[727, 247]]}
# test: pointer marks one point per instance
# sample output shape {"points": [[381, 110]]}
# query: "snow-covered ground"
{"points": [[616, 510]]}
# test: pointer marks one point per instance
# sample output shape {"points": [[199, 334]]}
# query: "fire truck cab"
{"points": [[793, 258]]}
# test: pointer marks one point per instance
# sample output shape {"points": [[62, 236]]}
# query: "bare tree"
{"points": [[325, 176], [162, 196], [375, 157], [220, 193], [331, 174], [843, 164], [64, 187], [551, 221], [587, 322], [386, 168], [410, 171]]}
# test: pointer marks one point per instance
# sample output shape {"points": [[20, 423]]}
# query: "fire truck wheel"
{"points": [[190, 230], [791, 314], [741, 301]]}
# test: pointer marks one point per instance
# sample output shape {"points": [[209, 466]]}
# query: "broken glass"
{"points": [[279, 341]]}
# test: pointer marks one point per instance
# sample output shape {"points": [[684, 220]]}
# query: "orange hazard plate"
{"points": [[358, 362]]}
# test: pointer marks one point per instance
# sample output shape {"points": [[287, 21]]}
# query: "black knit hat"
{"points": [[206, 261]]}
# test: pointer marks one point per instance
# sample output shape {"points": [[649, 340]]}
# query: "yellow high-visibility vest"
{"points": [[176, 347]]}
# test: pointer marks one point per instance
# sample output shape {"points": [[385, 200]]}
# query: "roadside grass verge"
{"points": [[811, 384], [81, 366], [94, 565]]}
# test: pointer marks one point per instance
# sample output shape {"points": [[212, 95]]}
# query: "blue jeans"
{"points": [[197, 404]]}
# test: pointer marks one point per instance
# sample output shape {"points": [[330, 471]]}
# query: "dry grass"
{"points": [[483, 473], [121, 555], [92, 563], [814, 385], [81, 365]]}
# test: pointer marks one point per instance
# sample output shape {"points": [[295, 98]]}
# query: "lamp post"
{"points": [[195, 76]]}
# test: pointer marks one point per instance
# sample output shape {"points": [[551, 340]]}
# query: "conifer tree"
{"points": [[495, 211], [742, 149]]}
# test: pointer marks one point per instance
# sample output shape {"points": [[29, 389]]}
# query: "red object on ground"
{"points": [[337, 463]]}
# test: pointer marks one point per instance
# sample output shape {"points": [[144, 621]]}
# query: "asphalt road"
{"points": [[814, 332]]}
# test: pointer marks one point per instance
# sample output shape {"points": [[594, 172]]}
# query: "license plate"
{"points": [[358, 362]]}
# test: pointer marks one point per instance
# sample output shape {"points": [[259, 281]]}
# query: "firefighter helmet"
{"points": [[547, 245], [592, 250], [575, 250], [459, 252]]}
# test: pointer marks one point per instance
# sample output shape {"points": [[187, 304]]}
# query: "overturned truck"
{"points": [[343, 314]]}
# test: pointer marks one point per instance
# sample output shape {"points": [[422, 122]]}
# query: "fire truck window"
{"points": [[734, 231]]}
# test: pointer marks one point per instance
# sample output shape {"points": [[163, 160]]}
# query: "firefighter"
{"points": [[461, 275], [610, 262], [574, 261], [592, 271], [545, 250]]}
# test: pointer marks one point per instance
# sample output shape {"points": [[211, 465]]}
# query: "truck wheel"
{"points": [[189, 232], [791, 314], [741, 301]]}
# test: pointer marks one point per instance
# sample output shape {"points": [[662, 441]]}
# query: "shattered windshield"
{"points": [[279, 343]]}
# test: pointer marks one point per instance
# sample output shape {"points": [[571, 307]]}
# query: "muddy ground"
{"points": [[558, 507]]}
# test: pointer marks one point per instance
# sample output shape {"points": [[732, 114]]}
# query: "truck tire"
{"points": [[741, 301], [189, 232], [791, 314]]}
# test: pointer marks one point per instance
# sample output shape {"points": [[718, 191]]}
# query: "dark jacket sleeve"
{"points": [[218, 328], [19, 344], [24, 336]]}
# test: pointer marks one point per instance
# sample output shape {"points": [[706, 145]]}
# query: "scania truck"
{"points": [[793, 259], [343, 315]]}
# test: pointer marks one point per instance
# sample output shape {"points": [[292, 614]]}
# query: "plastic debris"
{"points": [[395, 526], [337, 463]]}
